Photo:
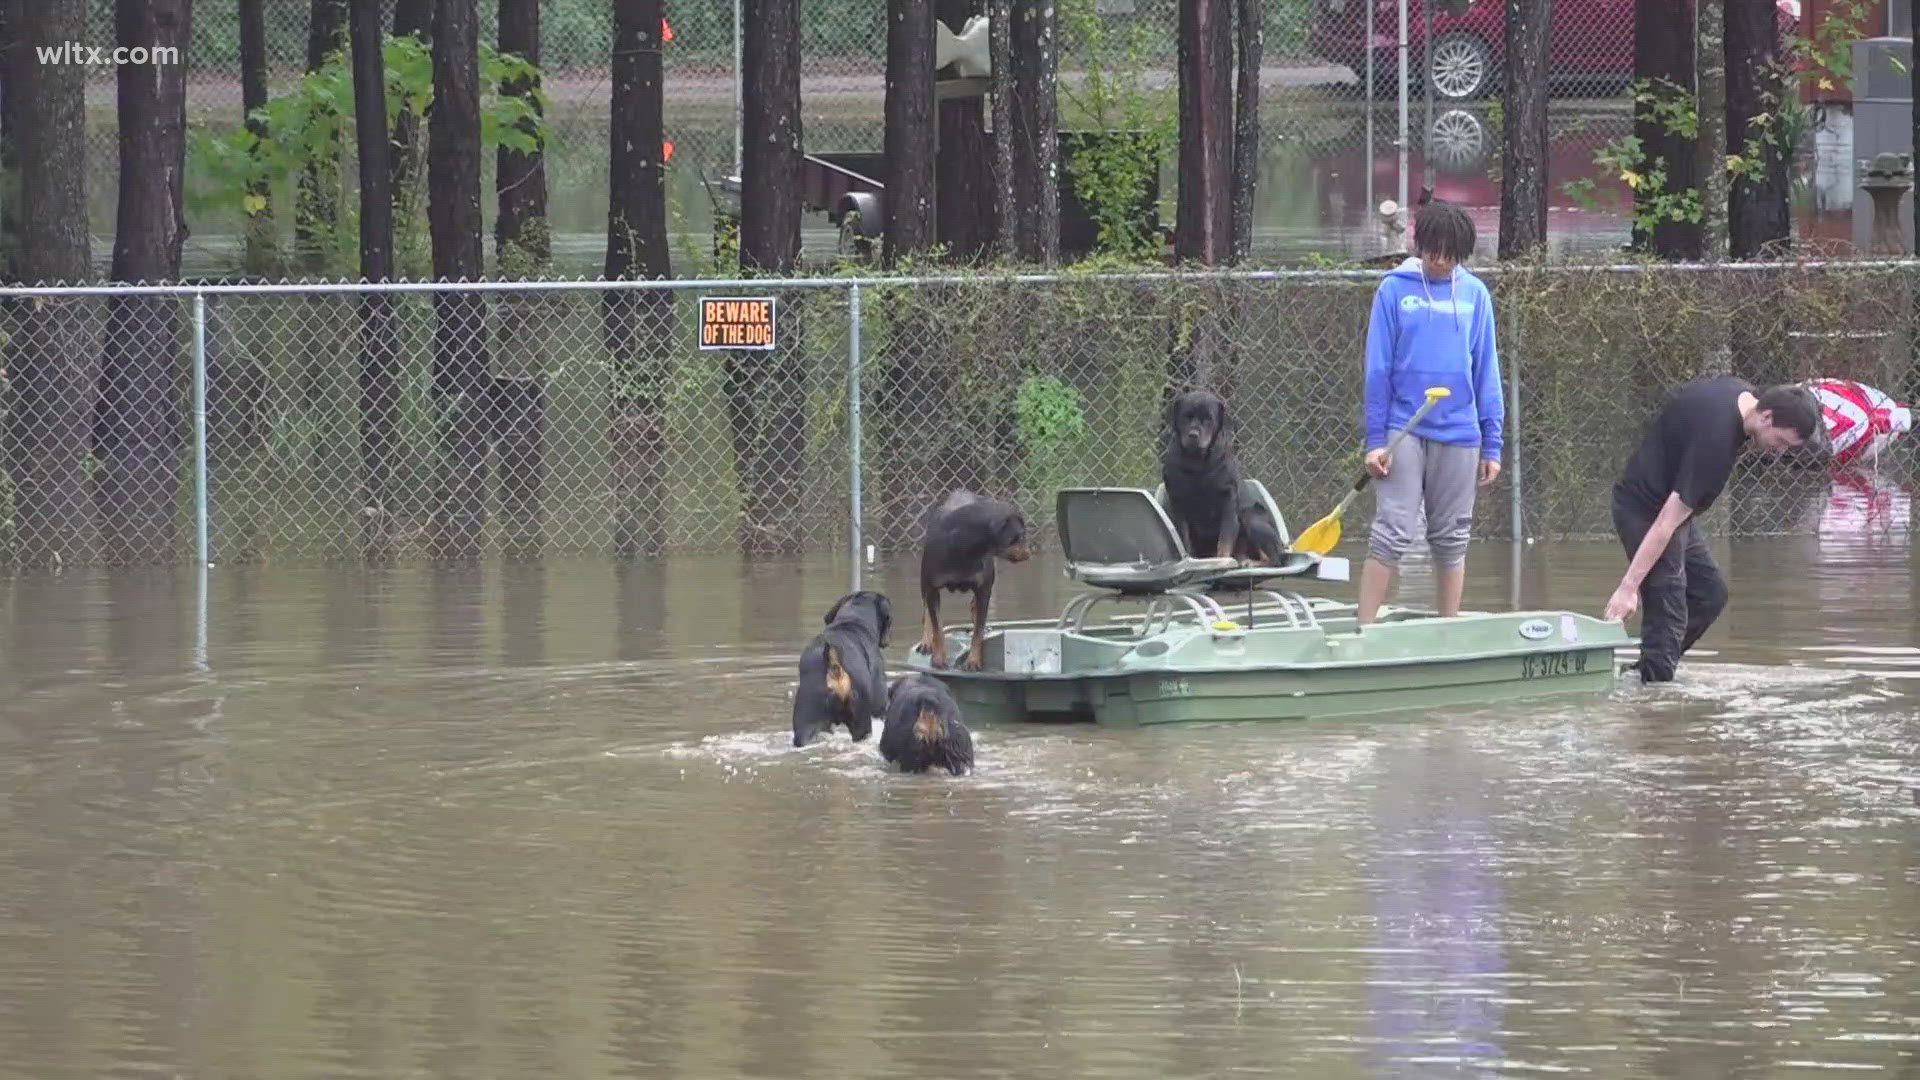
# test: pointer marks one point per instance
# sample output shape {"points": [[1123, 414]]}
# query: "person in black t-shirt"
{"points": [[1685, 456]]}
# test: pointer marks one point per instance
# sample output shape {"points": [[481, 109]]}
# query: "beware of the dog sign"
{"points": [[733, 322]]}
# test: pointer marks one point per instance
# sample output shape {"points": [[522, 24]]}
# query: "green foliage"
{"points": [[315, 120], [1136, 125], [1673, 108], [1050, 416]]}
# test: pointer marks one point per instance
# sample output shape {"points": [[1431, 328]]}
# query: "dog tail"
{"points": [[927, 727], [838, 684]]}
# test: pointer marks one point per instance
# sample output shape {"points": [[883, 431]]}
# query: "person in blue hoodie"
{"points": [[1432, 325]]}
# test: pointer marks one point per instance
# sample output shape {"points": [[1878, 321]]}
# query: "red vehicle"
{"points": [[1589, 42]]}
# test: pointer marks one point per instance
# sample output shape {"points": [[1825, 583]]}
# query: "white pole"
{"points": [[739, 90], [1371, 204], [1403, 110]]}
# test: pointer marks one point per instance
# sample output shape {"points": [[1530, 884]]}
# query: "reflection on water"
{"points": [[545, 820]]}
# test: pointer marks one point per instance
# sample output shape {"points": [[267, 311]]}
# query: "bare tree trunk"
{"points": [[1251, 32], [770, 463], [910, 131], [138, 427], [411, 18], [1711, 66], [10, 58], [523, 246], [1000, 46], [1758, 219], [638, 324], [459, 346], [259, 257], [379, 391], [1203, 224], [1663, 56], [521, 178], [963, 182], [49, 359], [1523, 131], [1036, 133], [317, 214]]}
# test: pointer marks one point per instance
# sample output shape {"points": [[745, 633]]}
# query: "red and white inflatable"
{"points": [[1861, 421]]}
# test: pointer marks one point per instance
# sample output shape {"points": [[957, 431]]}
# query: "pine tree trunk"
{"points": [[1663, 55], [317, 213], [379, 390], [638, 323], [1251, 35], [1036, 133], [910, 131], [523, 248], [963, 166], [1523, 131], [770, 449], [459, 346], [50, 362], [1000, 47], [1758, 220], [259, 256], [1203, 224], [138, 430], [1712, 168]]}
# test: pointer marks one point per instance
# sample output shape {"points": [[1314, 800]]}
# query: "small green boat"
{"points": [[1266, 653]]}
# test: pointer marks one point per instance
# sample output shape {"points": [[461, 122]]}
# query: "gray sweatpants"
{"points": [[1431, 476]]}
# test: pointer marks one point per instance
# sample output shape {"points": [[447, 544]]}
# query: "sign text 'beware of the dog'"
{"points": [[733, 322]]}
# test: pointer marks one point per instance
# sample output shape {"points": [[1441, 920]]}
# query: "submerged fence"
{"points": [[421, 421]]}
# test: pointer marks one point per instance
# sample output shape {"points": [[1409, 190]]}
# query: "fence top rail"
{"points": [[981, 279]]}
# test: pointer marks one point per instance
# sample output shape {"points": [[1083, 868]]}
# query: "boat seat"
{"points": [[1121, 539], [1292, 564]]}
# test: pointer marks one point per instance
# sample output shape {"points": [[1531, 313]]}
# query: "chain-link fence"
{"points": [[335, 423], [1329, 139]]}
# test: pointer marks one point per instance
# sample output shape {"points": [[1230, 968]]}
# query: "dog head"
{"points": [[1010, 535], [871, 608], [1198, 422]]}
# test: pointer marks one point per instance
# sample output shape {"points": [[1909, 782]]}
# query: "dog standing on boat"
{"points": [[1201, 469], [843, 673], [964, 536], [923, 729]]}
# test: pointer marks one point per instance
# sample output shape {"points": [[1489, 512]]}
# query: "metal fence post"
{"points": [[1513, 426], [853, 423], [200, 425], [200, 475]]}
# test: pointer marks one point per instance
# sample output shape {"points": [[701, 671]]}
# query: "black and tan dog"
{"points": [[964, 535], [923, 729], [843, 673], [1214, 516]]}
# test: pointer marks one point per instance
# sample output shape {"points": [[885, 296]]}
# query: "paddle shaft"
{"points": [[1393, 444]]}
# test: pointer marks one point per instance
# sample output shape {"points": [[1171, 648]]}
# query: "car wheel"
{"points": [[1461, 67]]}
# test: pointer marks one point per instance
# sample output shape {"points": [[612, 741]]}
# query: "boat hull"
{"points": [[1192, 675]]}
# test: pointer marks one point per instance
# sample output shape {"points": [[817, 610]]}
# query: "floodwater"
{"points": [[544, 821]]}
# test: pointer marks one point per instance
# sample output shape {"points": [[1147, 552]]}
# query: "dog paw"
{"points": [[968, 663]]}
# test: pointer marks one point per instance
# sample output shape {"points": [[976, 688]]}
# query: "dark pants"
{"points": [[1681, 596]]}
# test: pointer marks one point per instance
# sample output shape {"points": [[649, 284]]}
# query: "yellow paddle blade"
{"points": [[1320, 537]]}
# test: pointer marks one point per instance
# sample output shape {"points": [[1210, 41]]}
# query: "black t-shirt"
{"points": [[1689, 447]]}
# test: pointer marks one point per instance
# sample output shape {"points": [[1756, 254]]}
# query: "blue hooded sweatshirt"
{"points": [[1433, 333]]}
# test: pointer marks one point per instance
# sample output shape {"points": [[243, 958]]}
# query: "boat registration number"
{"points": [[1548, 665], [1175, 688]]}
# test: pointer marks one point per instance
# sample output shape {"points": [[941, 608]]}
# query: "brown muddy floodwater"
{"points": [[545, 822]]}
